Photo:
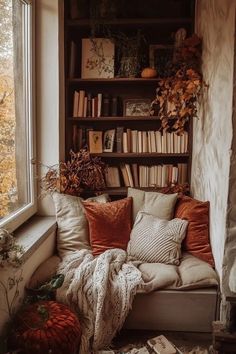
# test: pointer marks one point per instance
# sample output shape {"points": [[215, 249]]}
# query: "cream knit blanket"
{"points": [[101, 291]]}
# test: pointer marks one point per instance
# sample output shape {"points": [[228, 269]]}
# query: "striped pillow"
{"points": [[155, 240]]}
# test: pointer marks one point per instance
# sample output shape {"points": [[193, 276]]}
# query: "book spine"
{"points": [[106, 106], [119, 139], [81, 103], [99, 104], [89, 105]]}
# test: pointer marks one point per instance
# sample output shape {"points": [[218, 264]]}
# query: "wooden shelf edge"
{"points": [[115, 118], [136, 155], [130, 21], [114, 80]]}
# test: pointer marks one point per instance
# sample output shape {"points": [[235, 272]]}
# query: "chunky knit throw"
{"points": [[101, 290]]}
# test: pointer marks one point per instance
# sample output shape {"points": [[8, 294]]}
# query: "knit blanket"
{"points": [[101, 291]]}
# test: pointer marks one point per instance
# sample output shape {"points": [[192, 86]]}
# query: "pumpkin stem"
{"points": [[43, 312]]}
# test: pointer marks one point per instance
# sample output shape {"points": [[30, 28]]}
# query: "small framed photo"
{"points": [[138, 107], [108, 140], [95, 142], [160, 58]]}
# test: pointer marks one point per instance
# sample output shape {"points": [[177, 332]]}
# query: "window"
{"points": [[17, 185]]}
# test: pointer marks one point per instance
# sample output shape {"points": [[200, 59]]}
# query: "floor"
{"points": [[194, 343]]}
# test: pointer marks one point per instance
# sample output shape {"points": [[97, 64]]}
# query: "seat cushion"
{"points": [[192, 273]]}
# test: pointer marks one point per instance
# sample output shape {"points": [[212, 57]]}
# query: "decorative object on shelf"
{"points": [[177, 95], [95, 141], [136, 107], [148, 73], [47, 326], [97, 58], [108, 140], [161, 58], [81, 172]]}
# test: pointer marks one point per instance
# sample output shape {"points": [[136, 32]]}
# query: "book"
{"points": [[129, 173], [85, 106], [144, 141], [75, 138], [106, 106], [99, 112], [161, 345], [153, 141], [128, 139], [134, 139], [97, 58], [81, 103], [75, 104], [112, 177], [119, 139], [134, 168], [140, 147], [124, 175], [125, 142], [95, 141], [89, 105], [158, 141]]}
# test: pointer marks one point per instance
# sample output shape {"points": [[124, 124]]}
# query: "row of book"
{"points": [[129, 141], [88, 105], [150, 141], [157, 176]]}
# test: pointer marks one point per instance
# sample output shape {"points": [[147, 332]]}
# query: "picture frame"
{"points": [[95, 142], [108, 140], [98, 58], [136, 107], [160, 58]]}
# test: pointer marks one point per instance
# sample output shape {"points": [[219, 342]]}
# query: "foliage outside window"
{"points": [[16, 147]]}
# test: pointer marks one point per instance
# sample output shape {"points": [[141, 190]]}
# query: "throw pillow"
{"points": [[72, 232], [156, 240], [197, 238], [157, 204], [109, 224]]}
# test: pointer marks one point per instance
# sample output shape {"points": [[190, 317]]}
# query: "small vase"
{"points": [[129, 67]]}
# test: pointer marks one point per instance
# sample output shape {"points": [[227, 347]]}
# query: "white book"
{"points": [[112, 177], [81, 103], [144, 141], [174, 179], [76, 104], [159, 175], [163, 142], [140, 147], [152, 180], [141, 176], [178, 144], [125, 142], [182, 143], [171, 143], [149, 141], [85, 106], [134, 136], [146, 178], [153, 141], [129, 173], [99, 104], [164, 176], [158, 141]]}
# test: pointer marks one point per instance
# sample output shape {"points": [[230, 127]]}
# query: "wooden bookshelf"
{"points": [[158, 30]]}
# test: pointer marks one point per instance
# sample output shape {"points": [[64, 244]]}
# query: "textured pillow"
{"points": [[197, 237], [156, 240], [157, 204], [109, 224], [72, 233]]}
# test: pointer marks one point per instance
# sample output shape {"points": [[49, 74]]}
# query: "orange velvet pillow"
{"points": [[109, 224], [196, 241]]}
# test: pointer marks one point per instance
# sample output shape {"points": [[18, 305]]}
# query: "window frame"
{"points": [[22, 214]]}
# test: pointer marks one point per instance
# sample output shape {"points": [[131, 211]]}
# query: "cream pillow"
{"points": [[157, 204], [72, 233], [156, 240]]}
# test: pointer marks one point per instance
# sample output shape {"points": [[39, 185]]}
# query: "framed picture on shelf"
{"points": [[160, 58], [95, 142], [108, 140], [139, 107], [97, 60]]}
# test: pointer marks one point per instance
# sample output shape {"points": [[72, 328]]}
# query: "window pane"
{"points": [[15, 107]]}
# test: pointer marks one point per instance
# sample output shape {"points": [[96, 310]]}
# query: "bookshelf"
{"points": [[158, 27]]}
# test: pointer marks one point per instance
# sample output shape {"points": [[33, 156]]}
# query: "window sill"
{"points": [[34, 232]]}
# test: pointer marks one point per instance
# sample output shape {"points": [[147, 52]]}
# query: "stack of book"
{"points": [[84, 105], [150, 141], [156, 176]]}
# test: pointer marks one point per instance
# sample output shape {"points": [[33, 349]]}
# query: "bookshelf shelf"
{"points": [[135, 155], [86, 98]]}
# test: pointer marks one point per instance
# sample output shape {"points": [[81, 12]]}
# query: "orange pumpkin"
{"points": [[148, 73], [48, 327]]}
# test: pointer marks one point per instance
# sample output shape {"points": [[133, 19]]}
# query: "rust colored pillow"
{"points": [[109, 224], [197, 240]]}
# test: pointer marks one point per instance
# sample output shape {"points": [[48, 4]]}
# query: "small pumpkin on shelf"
{"points": [[148, 73]]}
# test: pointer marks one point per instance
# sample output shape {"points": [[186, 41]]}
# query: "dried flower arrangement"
{"points": [[10, 252], [74, 176], [176, 96]]}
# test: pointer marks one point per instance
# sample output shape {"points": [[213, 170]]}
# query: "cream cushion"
{"points": [[157, 204], [72, 232], [192, 273], [156, 240]]}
